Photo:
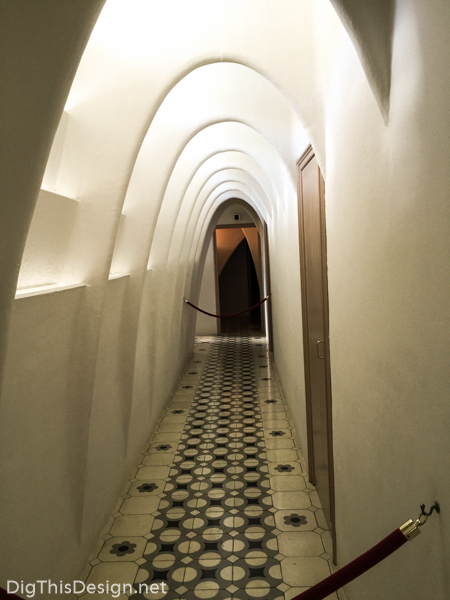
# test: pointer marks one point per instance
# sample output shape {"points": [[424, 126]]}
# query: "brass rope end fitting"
{"points": [[410, 529]]}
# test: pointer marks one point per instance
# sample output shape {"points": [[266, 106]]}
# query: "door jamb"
{"points": [[269, 324], [306, 157]]}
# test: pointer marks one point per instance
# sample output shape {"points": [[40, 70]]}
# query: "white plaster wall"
{"points": [[42, 419], [227, 217], [110, 415], [47, 259], [388, 243], [61, 175], [287, 312], [206, 325], [37, 80]]}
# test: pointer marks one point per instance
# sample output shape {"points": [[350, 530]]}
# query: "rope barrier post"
{"points": [[406, 532]]}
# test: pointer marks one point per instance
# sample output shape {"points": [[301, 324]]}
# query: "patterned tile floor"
{"points": [[220, 507]]}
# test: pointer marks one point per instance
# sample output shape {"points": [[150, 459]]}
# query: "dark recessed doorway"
{"points": [[238, 284]]}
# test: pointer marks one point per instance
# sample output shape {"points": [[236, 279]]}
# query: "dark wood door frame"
{"points": [[304, 160]]}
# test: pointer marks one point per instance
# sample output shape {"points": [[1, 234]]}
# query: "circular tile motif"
{"points": [[213, 537]]}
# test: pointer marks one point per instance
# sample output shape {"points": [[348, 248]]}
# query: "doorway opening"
{"points": [[236, 273], [239, 271]]}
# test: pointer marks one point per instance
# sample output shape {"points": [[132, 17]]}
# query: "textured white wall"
{"points": [[47, 258], [387, 220], [43, 420], [287, 311], [110, 413], [227, 217], [206, 325]]}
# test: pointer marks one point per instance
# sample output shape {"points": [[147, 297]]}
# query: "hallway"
{"points": [[133, 132], [220, 506]]}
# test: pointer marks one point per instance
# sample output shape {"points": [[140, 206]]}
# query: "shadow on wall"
{"points": [[370, 26], [238, 282]]}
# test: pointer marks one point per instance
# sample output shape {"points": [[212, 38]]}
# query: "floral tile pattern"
{"points": [[220, 506]]}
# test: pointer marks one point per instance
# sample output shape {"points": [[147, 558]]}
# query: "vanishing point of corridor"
{"points": [[220, 506]]}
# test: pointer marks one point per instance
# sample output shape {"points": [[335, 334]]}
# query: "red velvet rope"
{"points": [[226, 316], [5, 596], [357, 567]]}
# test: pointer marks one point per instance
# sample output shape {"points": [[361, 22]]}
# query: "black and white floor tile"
{"points": [[220, 507]]}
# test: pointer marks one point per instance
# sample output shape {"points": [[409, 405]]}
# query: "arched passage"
{"points": [[386, 220]]}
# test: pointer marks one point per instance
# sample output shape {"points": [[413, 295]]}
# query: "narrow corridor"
{"points": [[220, 506]]}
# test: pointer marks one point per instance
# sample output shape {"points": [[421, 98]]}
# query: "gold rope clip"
{"points": [[411, 529]]}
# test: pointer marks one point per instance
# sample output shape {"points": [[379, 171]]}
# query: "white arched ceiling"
{"points": [[191, 252], [146, 74], [210, 94], [140, 49], [137, 51], [125, 93], [210, 168], [165, 239], [223, 136], [186, 155]]}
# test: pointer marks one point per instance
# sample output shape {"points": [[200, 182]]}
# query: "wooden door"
{"points": [[313, 261]]}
